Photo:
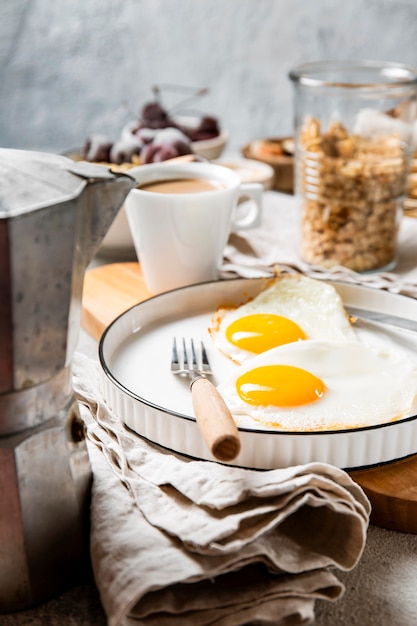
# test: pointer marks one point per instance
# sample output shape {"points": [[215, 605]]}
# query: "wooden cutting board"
{"points": [[392, 488], [108, 292]]}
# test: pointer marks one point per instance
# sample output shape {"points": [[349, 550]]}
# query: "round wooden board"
{"points": [[111, 289], [392, 490]]}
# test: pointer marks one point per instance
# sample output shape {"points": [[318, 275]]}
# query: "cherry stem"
{"points": [[196, 93]]}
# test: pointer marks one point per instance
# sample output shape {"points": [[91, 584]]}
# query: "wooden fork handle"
{"points": [[215, 420]]}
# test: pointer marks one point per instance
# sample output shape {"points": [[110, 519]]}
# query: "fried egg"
{"points": [[294, 308], [322, 385]]}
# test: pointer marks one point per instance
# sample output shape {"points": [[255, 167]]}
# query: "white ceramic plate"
{"points": [[137, 383]]}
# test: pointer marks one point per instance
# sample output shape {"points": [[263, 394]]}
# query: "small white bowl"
{"points": [[211, 148], [208, 148]]}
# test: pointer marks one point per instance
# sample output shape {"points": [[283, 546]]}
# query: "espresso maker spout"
{"points": [[54, 214]]}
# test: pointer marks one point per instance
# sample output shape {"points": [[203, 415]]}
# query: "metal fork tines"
{"points": [[190, 358], [213, 417]]}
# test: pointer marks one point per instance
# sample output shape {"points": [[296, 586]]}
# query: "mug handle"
{"points": [[251, 215]]}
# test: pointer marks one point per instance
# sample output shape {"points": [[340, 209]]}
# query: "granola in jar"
{"points": [[351, 187], [354, 138]]}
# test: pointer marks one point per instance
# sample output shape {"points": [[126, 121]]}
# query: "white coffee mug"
{"points": [[180, 216]]}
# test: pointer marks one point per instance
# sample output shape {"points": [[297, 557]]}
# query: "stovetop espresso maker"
{"points": [[54, 214]]}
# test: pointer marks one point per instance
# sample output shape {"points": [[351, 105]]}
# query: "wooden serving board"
{"points": [[392, 488], [108, 292]]}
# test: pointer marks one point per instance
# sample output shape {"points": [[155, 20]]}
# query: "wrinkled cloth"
{"points": [[197, 543], [276, 244]]}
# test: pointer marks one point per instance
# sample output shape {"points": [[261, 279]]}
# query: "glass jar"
{"points": [[353, 137]]}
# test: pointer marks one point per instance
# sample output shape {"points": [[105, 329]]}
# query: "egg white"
{"points": [[312, 304], [365, 386]]}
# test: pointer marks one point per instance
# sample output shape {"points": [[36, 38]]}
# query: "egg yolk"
{"points": [[279, 385], [262, 331]]}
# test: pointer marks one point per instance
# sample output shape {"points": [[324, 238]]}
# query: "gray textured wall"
{"points": [[67, 67]]}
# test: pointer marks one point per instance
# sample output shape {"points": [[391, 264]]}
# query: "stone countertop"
{"points": [[78, 606], [380, 591]]}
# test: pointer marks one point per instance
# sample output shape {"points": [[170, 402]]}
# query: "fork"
{"points": [[213, 417]]}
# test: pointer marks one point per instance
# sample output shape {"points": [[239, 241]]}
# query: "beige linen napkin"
{"points": [[257, 252], [193, 543]]}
